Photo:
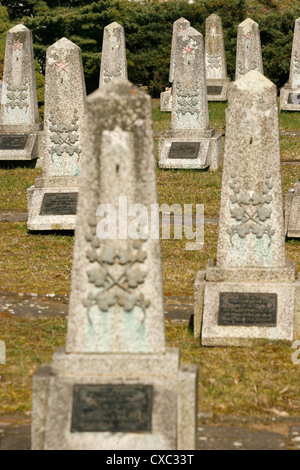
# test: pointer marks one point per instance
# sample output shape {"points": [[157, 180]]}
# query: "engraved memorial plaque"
{"points": [[59, 204], [214, 90], [112, 408], [294, 98], [13, 142], [247, 309], [184, 150]]}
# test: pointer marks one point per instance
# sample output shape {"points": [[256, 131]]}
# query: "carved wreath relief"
{"points": [[17, 96], [296, 69], [108, 76], [214, 60], [111, 288], [251, 210], [187, 100], [64, 137]]}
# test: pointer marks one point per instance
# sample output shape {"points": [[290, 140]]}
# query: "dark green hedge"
{"points": [[148, 30]]}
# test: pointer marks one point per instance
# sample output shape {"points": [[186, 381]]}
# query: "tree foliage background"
{"points": [[148, 31]]}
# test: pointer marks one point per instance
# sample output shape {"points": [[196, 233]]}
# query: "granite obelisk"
{"points": [[116, 385]]}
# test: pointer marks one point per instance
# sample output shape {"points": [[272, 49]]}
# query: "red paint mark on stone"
{"points": [[63, 66], [18, 45], [188, 49]]}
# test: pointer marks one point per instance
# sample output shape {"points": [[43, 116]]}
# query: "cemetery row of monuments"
{"points": [[248, 57], [116, 385]]}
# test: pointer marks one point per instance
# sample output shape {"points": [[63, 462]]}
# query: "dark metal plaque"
{"points": [[294, 98], [214, 90], [59, 204], [112, 408], [13, 142], [251, 309], [184, 150]]}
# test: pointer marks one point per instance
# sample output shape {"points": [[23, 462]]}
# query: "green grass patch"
{"points": [[32, 262], [14, 183], [289, 120]]}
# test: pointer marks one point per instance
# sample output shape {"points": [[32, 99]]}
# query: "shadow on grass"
{"points": [[14, 164], [57, 233]]}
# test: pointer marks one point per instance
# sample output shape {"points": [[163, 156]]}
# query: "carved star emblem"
{"points": [[63, 66], [247, 36], [18, 45], [188, 49]]}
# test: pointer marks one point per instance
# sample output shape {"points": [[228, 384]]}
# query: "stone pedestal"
{"points": [[218, 89], [19, 118], [292, 212], [215, 60], [118, 401], [238, 307], [115, 386], [290, 92], [52, 200], [166, 100], [190, 143], [52, 203], [250, 294], [190, 149]]}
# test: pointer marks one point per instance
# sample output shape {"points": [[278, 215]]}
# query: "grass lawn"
{"points": [[261, 380]]}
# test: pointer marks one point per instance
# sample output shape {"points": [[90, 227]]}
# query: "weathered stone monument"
{"points": [[115, 385], [250, 293], [292, 211], [290, 93], [216, 69], [52, 199], [113, 58], [166, 96], [248, 49], [19, 117], [190, 143]]}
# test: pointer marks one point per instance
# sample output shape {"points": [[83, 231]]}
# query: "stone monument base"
{"points": [[19, 142], [217, 89], [292, 212], [190, 149], [166, 100], [114, 402], [239, 306], [52, 203], [289, 98]]}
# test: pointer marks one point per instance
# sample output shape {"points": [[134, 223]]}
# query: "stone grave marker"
{"points": [[248, 49], [292, 211], [290, 92], [113, 58], [251, 292], [215, 60], [116, 385], [166, 96], [19, 117], [52, 199], [190, 143]]}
